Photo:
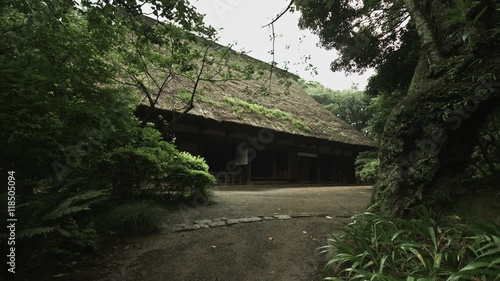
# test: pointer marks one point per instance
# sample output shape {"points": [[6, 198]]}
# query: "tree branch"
{"points": [[190, 104], [280, 14]]}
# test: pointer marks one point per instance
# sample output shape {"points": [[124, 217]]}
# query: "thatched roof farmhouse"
{"points": [[246, 136]]}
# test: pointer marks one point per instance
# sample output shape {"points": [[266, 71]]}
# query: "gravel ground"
{"points": [[269, 250]]}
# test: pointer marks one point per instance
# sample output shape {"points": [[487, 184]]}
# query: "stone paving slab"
{"points": [[250, 219], [282, 217], [232, 222], [189, 227], [222, 222], [202, 221], [217, 223], [302, 215]]}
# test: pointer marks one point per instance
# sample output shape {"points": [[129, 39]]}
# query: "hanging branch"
{"points": [[273, 62], [190, 104], [273, 40], [280, 14]]}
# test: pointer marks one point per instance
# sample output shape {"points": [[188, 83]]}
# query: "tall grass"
{"points": [[136, 219], [375, 247]]}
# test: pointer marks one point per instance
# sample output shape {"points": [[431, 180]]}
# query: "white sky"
{"points": [[241, 22]]}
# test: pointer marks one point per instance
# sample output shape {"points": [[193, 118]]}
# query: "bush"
{"points": [[189, 176], [126, 170], [374, 247], [153, 160], [367, 165], [136, 219]]}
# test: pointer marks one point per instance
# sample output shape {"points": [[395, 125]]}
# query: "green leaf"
{"points": [[31, 232]]}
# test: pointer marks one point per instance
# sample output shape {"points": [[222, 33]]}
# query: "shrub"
{"points": [[128, 169], [136, 219], [374, 247], [367, 165], [188, 176], [151, 161]]}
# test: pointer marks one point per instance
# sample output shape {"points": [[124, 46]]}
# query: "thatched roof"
{"points": [[294, 112], [287, 109]]}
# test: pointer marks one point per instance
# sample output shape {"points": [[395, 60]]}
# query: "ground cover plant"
{"points": [[378, 247]]}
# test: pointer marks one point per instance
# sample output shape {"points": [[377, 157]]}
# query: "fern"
{"points": [[85, 199], [459, 12], [62, 211], [30, 232]]}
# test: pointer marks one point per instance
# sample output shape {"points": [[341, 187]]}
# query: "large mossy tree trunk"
{"points": [[429, 138]]}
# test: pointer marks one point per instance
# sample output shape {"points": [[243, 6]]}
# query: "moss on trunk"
{"points": [[428, 139]]}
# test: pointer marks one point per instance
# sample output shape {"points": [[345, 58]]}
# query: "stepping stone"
{"points": [[251, 219], [303, 215], [200, 226], [232, 221], [269, 218], [282, 217], [178, 227], [220, 219], [217, 224], [202, 221], [188, 227]]}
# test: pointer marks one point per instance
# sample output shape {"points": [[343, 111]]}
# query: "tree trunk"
{"points": [[429, 137], [424, 30]]}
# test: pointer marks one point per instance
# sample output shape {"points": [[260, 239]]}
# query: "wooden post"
{"points": [[274, 164], [249, 180]]}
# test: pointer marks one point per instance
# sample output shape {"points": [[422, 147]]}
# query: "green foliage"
{"points": [[46, 214], [466, 14], [395, 73], [484, 168], [185, 96], [36, 231], [458, 14], [68, 124], [192, 162], [151, 160], [375, 247], [127, 169], [349, 105], [367, 164], [380, 109], [136, 219], [81, 236], [189, 175], [241, 106], [75, 204], [59, 224], [363, 32], [361, 112], [58, 84]]}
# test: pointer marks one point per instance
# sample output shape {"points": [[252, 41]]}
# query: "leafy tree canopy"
{"points": [[363, 32], [62, 62], [349, 105]]}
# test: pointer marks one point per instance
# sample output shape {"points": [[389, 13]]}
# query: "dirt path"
{"points": [[268, 250]]}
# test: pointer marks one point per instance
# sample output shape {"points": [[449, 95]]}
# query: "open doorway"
{"points": [[308, 169]]}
